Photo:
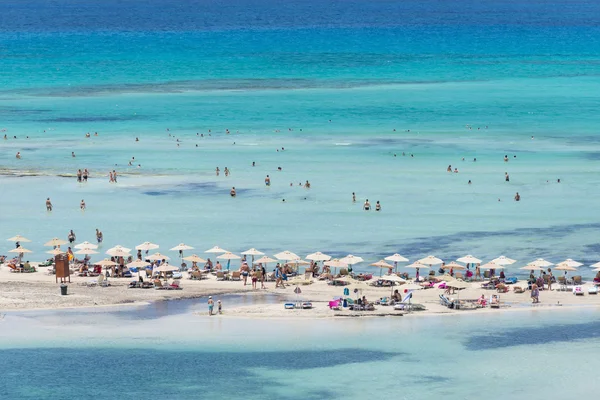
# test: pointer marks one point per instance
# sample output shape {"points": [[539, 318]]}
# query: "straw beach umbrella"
{"points": [[264, 260], [252, 252], [392, 278], [147, 246], [396, 258], [164, 268], [530, 267], [55, 242], [502, 260], [430, 260], [565, 268], [540, 262], [55, 252], [85, 251], [569, 263], [453, 265], [180, 248], [20, 251], [105, 263], [158, 257], [138, 264], [418, 266], [335, 263], [286, 256], [195, 259], [228, 256], [381, 264]]}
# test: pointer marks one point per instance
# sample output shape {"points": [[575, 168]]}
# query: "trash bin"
{"points": [[63, 289]]}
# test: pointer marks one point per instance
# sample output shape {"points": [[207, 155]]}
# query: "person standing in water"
{"points": [[111, 178], [268, 181], [85, 175], [217, 170], [226, 171], [517, 197], [99, 236], [377, 206], [367, 205], [506, 177], [232, 192], [211, 305], [353, 197], [48, 204], [82, 205]]}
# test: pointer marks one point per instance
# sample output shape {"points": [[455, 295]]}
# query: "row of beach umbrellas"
{"points": [[87, 248]]}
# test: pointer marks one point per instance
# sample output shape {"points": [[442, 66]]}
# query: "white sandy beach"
{"points": [[40, 291]]}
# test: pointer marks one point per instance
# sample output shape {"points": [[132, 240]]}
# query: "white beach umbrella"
{"points": [[158, 257], [416, 265], [105, 263], [469, 259], [138, 264], [453, 265], [540, 262], [86, 251], [118, 253], [503, 261], [565, 268], [147, 246], [569, 263], [396, 258], [297, 263], [119, 248], [86, 245], [595, 265], [318, 256], [264, 260], [457, 284], [392, 278], [430, 260], [56, 242], [18, 238], [194, 258], [181, 247], [166, 268], [252, 252], [228, 256], [286, 256], [55, 252], [412, 286], [492, 265], [216, 250], [531, 267], [335, 263], [381, 264], [351, 260]]}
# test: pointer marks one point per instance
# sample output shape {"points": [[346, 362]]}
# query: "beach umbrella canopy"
{"points": [[503, 261], [492, 265], [335, 263], [194, 258], [565, 268], [351, 260], [569, 263], [531, 267], [396, 258], [147, 246], [297, 263], [118, 253], [430, 260], [381, 264], [286, 256], [412, 286], [457, 284], [540, 262], [346, 278], [120, 248], [158, 257], [86, 245], [166, 268], [454, 265], [182, 247], [216, 250], [416, 265], [138, 264], [20, 250], [469, 259], [56, 242], [18, 238], [85, 251], [228, 256], [106, 263], [392, 278], [55, 252], [252, 252], [264, 260], [318, 256]]}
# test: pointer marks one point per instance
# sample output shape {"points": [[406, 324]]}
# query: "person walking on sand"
{"points": [[211, 305], [48, 204], [535, 294], [111, 178], [550, 279], [263, 276], [82, 205]]}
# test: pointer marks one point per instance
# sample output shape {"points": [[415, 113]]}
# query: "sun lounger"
{"points": [[578, 291], [99, 281], [236, 276], [175, 285], [510, 281], [446, 301], [577, 280], [592, 290], [158, 285], [307, 305], [406, 305], [494, 301], [289, 306]]}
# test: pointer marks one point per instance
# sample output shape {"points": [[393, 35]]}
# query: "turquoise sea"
{"points": [[350, 89]]}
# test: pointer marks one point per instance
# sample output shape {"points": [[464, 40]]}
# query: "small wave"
{"points": [[343, 144]]}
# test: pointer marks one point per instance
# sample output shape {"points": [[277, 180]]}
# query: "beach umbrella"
{"points": [[119, 248], [335, 263], [530, 267], [228, 256], [165, 268], [297, 263], [454, 284], [20, 250], [503, 261], [396, 258], [118, 253], [138, 264], [351, 260], [18, 238], [492, 265], [56, 242], [216, 250], [453, 265], [416, 266], [430, 260], [194, 258], [318, 256], [570, 263], [147, 246], [85, 251], [55, 252], [540, 262], [469, 259], [265, 260], [565, 268], [182, 247], [381, 264], [392, 278], [252, 252], [596, 265], [105, 263], [157, 257], [86, 245], [286, 256]]}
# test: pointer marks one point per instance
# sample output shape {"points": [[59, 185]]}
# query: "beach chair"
{"points": [[578, 291], [406, 305], [236, 276], [446, 301], [593, 290], [220, 276], [343, 271], [486, 274], [494, 301], [577, 280], [175, 285], [158, 285], [459, 276]]}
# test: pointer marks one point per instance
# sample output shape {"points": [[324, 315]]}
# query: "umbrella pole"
{"points": [[395, 267]]}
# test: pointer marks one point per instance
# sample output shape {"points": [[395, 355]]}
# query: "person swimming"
{"points": [[72, 154], [517, 197], [18, 156], [307, 185], [232, 192], [367, 205], [505, 158], [377, 206]]}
